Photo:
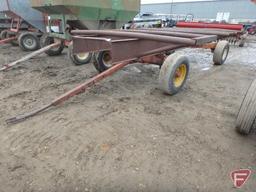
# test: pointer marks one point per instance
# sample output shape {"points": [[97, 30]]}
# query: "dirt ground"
{"points": [[125, 134]]}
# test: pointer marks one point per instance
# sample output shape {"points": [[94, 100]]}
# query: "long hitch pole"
{"points": [[7, 40], [29, 56], [76, 91]]}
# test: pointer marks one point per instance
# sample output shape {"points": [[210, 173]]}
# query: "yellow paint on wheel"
{"points": [[82, 56], [180, 75]]}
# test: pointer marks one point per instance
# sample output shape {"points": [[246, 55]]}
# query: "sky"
{"points": [[165, 1]]}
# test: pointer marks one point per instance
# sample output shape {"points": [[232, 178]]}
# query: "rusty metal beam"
{"points": [[125, 49], [208, 45], [90, 44], [159, 38], [7, 40], [167, 33]]}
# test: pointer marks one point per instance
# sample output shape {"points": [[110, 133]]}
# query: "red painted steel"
{"points": [[237, 27], [15, 25], [7, 40]]}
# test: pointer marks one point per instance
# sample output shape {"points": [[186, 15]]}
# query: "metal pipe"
{"points": [[237, 27], [167, 33], [7, 40], [152, 37], [202, 31], [29, 56]]}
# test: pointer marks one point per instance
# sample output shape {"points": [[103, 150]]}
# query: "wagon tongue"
{"points": [[7, 40], [29, 56], [21, 118], [76, 91]]}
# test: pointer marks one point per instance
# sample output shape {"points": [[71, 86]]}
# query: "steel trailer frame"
{"points": [[138, 43], [175, 32], [5, 23]]}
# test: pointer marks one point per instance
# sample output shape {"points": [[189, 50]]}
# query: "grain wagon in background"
{"points": [[27, 24]]}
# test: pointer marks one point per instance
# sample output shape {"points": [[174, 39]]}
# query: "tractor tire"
{"points": [[47, 40], [29, 41], [221, 53], [102, 61], [246, 118], [79, 59], [174, 73], [3, 34]]}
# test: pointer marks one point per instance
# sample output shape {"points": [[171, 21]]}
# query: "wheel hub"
{"points": [[82, 56], [180, 75], [29, 42], [225, 54], [107, 60]]}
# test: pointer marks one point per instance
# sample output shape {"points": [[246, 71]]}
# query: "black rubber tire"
{"points": [[78, 60], [242, 43], [252, 33], [168, 73], [47, 40], [246, 118], [99, 62], [33, 38], [3, 34], [221, 53], [12, 34]]}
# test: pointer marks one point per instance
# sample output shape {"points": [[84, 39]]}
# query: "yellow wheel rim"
{"points": [[180, 75], [82, 56]]}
